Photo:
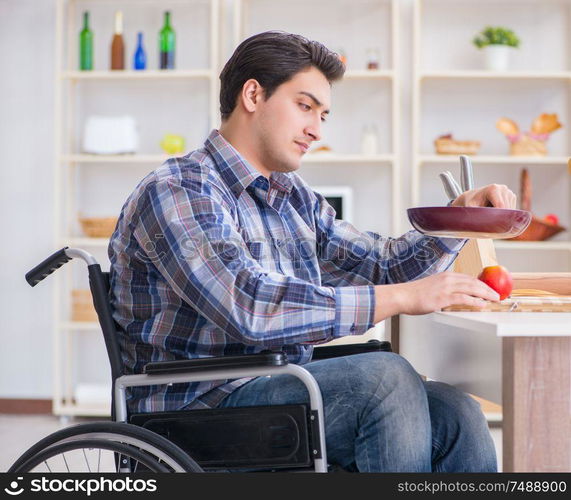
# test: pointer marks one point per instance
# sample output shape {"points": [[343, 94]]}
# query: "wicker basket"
{"points": [[539, 230], [528, 146], [98, 227], [445, 146], [82, 308]]}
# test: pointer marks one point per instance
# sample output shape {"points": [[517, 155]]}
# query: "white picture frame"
{"points": [[343, 196]]}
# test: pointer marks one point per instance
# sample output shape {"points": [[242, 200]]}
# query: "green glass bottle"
{"points": [[166, 44], [86, 45]]}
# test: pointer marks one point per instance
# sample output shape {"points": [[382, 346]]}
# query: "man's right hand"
{"points": [[431, 294]]}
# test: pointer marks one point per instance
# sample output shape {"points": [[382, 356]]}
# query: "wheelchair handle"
{"points": [[55, 261]]}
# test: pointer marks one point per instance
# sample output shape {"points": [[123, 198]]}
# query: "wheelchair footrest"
{"points": [[253, 437]]}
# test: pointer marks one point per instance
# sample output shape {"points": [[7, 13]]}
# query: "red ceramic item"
{"points": [[469, 222]]}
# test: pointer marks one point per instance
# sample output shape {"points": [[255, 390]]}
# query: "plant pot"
{"points": [[497, 57]]}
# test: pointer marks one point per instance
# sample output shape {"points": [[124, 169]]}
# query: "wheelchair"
{"points": [[255, 438]]}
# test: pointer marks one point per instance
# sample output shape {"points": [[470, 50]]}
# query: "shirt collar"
{"points": [[236, 170]]}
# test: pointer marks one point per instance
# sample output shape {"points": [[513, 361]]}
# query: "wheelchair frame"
{"points": [[193, 370]]}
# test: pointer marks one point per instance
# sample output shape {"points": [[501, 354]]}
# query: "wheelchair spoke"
{"points": [[97, 448], [86, 461]]}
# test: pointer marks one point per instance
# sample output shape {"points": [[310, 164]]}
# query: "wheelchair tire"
{"points": [[56, 455], [155, 448]]}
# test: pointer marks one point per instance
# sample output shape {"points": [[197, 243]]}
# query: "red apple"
{"points": [[552, 219], [497, 278]]}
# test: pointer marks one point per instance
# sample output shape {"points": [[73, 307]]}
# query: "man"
{"points": [[227, 251]]}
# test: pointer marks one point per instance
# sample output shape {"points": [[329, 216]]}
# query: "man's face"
{"points": [[291, 119]]}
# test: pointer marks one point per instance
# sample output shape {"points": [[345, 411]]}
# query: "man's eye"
{"points": [[305, 107], [323, 120]]}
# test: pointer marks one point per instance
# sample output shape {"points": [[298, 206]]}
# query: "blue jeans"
{"points": [[380, 416]]}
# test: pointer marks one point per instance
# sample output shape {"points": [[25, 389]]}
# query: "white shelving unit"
{"points": [[448, 76], [377, 23], [81, 93], [363, 96]]}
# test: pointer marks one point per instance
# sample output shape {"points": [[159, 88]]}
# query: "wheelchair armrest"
{"points": [[216, 363], [334, 351]]}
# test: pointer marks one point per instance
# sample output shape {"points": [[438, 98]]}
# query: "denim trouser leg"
{"points": [[381, 417], [461, 441]]}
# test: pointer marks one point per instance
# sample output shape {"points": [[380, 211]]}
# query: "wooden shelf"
{"points": [[78, 241], [559, 161], [492, 411], [341, 158], [360, 74], [78, 410], [124, 158], [532, 245], [85, 326], [134, 159], [137, 75], [496, 75]]}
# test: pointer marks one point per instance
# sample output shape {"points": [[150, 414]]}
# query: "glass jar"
{"points": [[369, 140], [372, 58]]}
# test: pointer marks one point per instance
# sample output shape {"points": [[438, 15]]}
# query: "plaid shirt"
{"points": [[211, 258]]}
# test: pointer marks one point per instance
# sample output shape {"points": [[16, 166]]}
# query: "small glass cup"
{"points": [[372, 58]]}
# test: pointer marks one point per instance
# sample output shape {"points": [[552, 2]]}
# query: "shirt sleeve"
{"points": [[198, 250], [351, 257]]}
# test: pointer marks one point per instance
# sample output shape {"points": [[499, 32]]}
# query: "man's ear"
{"points": [[252, 93]]}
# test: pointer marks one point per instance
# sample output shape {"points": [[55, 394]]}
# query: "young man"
{"points": [[227, 251]]}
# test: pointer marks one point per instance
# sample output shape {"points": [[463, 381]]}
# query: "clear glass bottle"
{"points": [[369, 140]]}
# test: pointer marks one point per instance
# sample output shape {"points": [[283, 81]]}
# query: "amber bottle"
{"points": [[117, 45]]}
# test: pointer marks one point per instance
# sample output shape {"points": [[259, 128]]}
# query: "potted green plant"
{"points": [[497, 42]]}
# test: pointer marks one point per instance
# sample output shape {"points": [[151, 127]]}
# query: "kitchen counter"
{"points": [[520, 360]]}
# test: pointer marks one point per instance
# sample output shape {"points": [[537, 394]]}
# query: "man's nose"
{"points": [[314, 130]]}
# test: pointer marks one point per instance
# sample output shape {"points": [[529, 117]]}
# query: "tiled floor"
{"points": [[18, 432]]}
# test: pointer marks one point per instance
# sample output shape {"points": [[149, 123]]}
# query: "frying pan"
{"points": [[469, 222]]}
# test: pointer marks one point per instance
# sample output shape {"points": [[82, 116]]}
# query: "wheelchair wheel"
{"points": [[90, 455], [95, 447]]}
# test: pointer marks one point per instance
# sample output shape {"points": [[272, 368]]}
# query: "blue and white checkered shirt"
{"points": [[211, 258]]}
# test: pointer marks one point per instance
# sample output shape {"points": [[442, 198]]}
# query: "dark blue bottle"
{"points": [[140, 58]]}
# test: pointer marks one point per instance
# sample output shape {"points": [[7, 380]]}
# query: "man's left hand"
{"points": [[493, 195]]}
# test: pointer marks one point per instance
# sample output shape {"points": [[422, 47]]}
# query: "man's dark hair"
{"points": [[273, 58]]}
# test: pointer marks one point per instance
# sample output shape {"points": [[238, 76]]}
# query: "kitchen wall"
{"points": [[26, 199]]}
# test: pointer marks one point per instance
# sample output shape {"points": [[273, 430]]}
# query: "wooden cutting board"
{"points": [[533, 292], [558, 283], [522, 301]]}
